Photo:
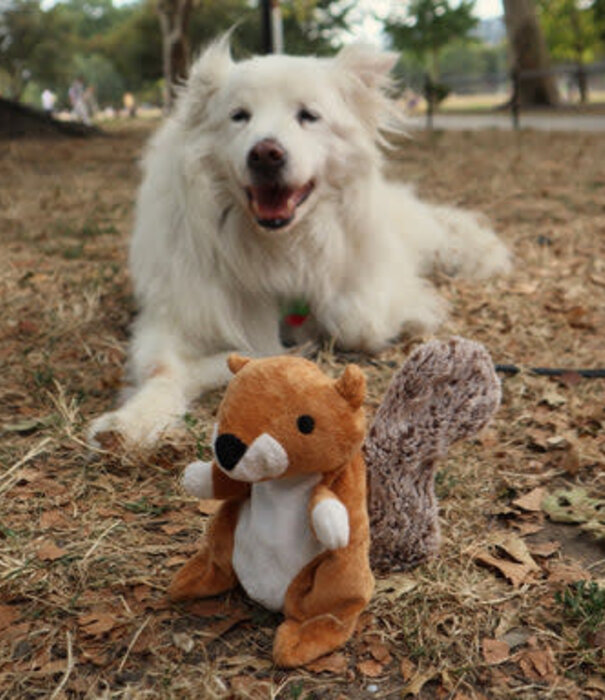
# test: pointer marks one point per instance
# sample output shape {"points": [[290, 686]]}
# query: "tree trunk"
{"points": [[174, 20], [529, 54]]}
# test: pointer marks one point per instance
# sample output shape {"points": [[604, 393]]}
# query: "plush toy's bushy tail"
{"points": [[446, 391]]}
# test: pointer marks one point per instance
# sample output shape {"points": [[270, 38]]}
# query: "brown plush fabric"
{"points": [[324, 599], [446, 391]]}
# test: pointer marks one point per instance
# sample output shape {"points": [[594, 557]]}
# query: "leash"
{"points": [[552, 371]]}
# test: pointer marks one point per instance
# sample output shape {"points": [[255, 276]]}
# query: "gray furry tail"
{"points": [[445, 392]]}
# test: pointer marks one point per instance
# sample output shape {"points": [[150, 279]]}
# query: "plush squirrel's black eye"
{"points": [[306, 115], [305, 424], [240, 115]]}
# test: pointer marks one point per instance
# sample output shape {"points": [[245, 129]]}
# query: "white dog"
{"points": [[266, 185]]}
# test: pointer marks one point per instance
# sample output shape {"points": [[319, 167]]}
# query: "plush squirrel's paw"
{"points": [[197, 479], [331, 523]]}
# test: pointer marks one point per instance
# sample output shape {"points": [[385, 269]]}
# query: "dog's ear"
{"points": [[207, 73], [368, 64]]}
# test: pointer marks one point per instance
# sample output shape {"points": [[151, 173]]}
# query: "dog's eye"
{"points": [[240, 115], [305, 424], [306, 115]]}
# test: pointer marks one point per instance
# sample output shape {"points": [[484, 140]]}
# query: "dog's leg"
{"points": [[369, 317], [162, 398]]}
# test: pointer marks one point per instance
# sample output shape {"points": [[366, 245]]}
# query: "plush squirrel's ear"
{"points": [[368, 64], [235, 362], [351, 385]]}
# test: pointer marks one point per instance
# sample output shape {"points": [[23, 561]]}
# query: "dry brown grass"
{"points": [[89, 542]]}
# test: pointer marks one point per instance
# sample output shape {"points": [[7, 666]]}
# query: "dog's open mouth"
{"points": [[273, 205]]}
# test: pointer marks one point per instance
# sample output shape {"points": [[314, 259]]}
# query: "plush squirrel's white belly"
{"points": [[273, 538]]}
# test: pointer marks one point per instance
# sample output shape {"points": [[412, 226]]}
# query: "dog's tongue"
{"points": [[271, 202], [274, 205]]}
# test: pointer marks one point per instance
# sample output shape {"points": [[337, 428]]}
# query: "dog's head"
{"points": [[286, 130]]}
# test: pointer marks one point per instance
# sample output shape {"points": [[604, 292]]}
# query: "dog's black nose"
{"points": [[267, 157], [229, 449]]}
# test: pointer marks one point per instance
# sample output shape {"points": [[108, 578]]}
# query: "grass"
{"points": [[89, 541]]}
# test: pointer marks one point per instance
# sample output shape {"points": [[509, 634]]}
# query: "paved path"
{"points": [[542, 122]]}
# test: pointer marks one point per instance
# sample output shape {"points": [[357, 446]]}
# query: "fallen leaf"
{"points": [[495, 651], [208, 506], [51, 668], [250, 688], [394, 586], [49, 551], [331, 663], [553, 398], [567, 573], [53, 519], [407, 668], [418, 682], [575, 506], [173, 528], [380, 652], [370, 668], [570, 379], [183, 641], [96, 654], [543, 549], [531, 501], [8, 615], [177, 560], [142, 592], [217, 629], [517, 572], [537, 664], [527, 528], [516, 548], [208, 608], [97, 623]]}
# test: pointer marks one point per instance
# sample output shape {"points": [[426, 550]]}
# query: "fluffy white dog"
{"points": [[266, 185]]}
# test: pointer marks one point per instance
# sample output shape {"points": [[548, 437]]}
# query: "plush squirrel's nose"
{"points": [[267, 157], [229, 449]]}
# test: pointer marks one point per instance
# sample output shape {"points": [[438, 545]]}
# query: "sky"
{"points": [[367, 27]]}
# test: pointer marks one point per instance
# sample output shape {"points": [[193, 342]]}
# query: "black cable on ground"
{"points": [[552, 371]]}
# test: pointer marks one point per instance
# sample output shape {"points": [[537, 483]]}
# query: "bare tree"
{"points": [[529, 54], [174, 19]]}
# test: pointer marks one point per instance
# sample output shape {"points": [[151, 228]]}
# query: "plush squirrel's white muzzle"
{"points": [[265, 458]]}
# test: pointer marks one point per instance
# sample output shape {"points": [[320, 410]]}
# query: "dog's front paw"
{"points": [[331, 523], [136, 429]]}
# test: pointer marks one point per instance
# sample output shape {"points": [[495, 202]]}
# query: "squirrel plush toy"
{"points": [[290, 461]]}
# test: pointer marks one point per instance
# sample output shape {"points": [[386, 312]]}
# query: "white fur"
{"points": [[331, 523], [209, 279], [273, 538], [264, 459]]}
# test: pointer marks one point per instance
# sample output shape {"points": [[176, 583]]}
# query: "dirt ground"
{"points": [[513, 606]]}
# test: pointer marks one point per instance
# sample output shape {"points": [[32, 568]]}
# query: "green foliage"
{"points": [[34, 44], [584, 604], [571, 29], [99, 71], [428, 27]]}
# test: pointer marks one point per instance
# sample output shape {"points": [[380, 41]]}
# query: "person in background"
{"points": [[77, 100], [48, 101]]}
